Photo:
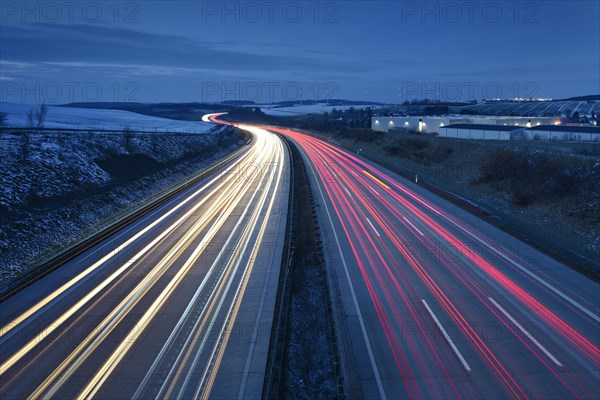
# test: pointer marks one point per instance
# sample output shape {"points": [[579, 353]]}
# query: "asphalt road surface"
{"points": [[432, 302], [179, 304], [429, 301]]}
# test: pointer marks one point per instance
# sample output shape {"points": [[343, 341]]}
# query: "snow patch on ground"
{"points": [[44, 166], [89, 118]]}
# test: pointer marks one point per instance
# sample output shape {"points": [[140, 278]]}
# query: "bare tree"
{"points": [[40, 115], [3, 118], [31, 119]]}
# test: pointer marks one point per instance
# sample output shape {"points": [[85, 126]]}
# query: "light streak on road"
{"points": [[171, 250], [402, 263], [163, 306]]}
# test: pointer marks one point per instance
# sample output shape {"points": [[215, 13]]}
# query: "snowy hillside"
{"points": [[89, 118], [57, 187]]}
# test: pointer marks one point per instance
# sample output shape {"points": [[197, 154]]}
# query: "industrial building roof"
{"points": [[566, 128]]}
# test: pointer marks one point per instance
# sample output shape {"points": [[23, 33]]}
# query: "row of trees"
{"points": [[351, 117], [577, 118], [35, 118]]}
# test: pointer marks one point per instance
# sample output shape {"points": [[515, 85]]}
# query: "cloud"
{"points": [[135, 52]]}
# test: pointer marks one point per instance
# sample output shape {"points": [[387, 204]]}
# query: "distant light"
{"points": [[391, 122], [442, 124], [376, 121], [406, 123]]}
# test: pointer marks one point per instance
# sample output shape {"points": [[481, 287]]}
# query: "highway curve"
{"points": [[435, 303], [178, 304]]}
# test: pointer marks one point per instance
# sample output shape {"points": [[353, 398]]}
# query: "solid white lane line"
{"points": [[353, 294], [525, 332], [447, 337], [372, 226], [414, 227]]}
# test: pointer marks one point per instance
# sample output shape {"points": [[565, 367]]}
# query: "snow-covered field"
{"points": [[307, 109], [45, 165], [88, 118]]}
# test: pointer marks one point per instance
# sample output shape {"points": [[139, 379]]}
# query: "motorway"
{"points": [[429, 301], [432, 302], [179, 304]]}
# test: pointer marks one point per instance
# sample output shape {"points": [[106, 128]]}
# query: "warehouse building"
{"points": [[563, 132], [433, 124], [481, 131]]}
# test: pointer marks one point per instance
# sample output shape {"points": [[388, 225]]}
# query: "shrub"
{"points": [[530, 176], [522, 199]]}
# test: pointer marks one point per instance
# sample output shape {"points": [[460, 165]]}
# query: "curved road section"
{"points": [[434, 303], [177, 305]]}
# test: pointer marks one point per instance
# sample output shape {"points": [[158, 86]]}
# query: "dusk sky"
{"points": [[386, 51]]}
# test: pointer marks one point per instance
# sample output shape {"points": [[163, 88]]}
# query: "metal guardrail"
{"points": [[273, 371], [332, 334], [276, 351]]}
